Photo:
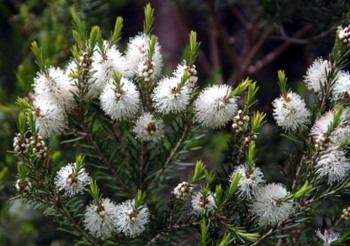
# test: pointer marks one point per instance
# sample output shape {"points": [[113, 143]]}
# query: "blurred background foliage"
{"points": [[239, 38]]}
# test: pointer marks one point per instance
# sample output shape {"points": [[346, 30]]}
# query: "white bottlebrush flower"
{"points": [[269, 205], [215, 106], [333, 165], [120, 102], [170, 97], [192, 73], [99, 220], [50, 118], [203, 204], [316, 75], [57, 86], [182, 190], [70, 180], [104, 65], [129, 220], [136, 58], [250, 180], [290, 112], [339, 134], [149, 128], [341, 87], [328, 237]]}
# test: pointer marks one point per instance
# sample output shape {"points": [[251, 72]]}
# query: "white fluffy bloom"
{"points": [[50, 117], [203, 204], [215, 106], [129, 220], [333, 164], [316, 75], [99, 220], [327, 237], [136, 57], [56, 86], [192, 72], [70, 180], [269, 205], [341, 87], [182, 190], [339, 134], [148, 128], [290, 112], [104, 65], [170, 97], [120, 102], [251, 179]]}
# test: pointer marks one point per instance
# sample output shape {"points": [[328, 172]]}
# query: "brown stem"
{"points": [[239, 17], [172, 154], [263, 237], [298, 172], [142, 166], [230, 51], [73, 223], [170, 229], [276, 52], [214, 51], [101, 155], [53, 200]]}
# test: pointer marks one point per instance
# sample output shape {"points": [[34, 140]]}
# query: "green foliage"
{"points": [[123, 167]]}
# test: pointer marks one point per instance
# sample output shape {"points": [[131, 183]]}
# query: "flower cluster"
{"points": [[136, 127], [270, 204], [215, 106], [106, 218], [345, 215], [203, 203], [183, 190], [20, 144], [240, 122], [290, 112], [316, 75], [344, 34], [71, 179], [251, 178], [23, 185]]}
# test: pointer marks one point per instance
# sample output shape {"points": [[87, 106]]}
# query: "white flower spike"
{"points": [[290, 112], [70, 180], [120, 102], [99, 220], [269, 205], [130, 221], [215, 106]]}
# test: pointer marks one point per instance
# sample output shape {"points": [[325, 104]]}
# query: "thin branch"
{"points": [[72, 221], [170, 229], [251, 53], [275, 53], [263, 237], [300, 164], [101, 156], [214, 51], [142, 165], [239, 17], [172, 154], [230, 51]]}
